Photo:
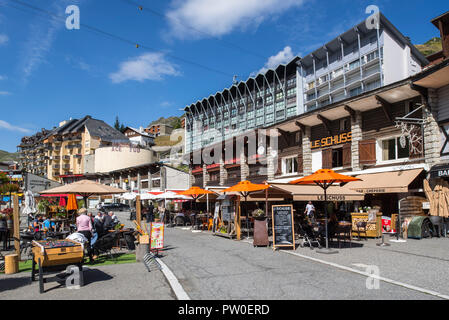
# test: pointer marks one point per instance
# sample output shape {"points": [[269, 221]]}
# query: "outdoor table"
{"points": [[121, 233]]}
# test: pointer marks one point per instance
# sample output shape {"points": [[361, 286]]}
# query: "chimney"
{"points": [[442, 23]]}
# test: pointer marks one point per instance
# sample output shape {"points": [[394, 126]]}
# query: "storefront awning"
{"points": [[315, 193], [385, 182]]}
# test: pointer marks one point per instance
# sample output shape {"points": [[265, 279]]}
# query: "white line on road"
{"points": [[405, 285], [173, 281], [398, 283]]}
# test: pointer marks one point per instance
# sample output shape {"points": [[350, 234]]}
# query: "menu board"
{"points": [[157, 235], [283, 230]]}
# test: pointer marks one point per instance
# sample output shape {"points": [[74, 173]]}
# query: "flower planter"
{"points": [[260, 233]]}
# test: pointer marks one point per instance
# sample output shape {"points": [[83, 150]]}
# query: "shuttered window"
{"points": [[327, 159], [347, 156], [367, 152]]}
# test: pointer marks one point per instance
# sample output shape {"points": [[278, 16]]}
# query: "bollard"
{"points": [[11, 264]]}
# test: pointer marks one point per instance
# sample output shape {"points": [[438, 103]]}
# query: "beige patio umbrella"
{"points": [[437, 193], [445, 196], [429, 195], [85, 188]]}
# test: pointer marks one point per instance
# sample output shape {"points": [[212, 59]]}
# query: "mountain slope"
{"points": [[6, 156], [430, 47]]}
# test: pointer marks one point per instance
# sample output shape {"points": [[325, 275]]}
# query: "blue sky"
{"points": [[49, 73]]}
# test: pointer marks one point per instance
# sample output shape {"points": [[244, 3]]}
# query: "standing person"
{"points": [[84, 226], [150, 213], [310, 212], [107, 221]]}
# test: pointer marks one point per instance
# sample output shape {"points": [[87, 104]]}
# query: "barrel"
{"points": [[11, 264]]}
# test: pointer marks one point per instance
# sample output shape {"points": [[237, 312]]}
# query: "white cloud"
{"points": [[2, 77], [282, 57], [4, 93], [3, 39], [149, 66], [200, 18], [10, 127], [40, 40]]}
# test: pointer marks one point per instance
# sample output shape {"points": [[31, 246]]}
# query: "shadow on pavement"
{"points": [[14, 283]]}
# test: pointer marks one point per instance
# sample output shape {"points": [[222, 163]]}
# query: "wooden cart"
{"points": [[53, 254]]}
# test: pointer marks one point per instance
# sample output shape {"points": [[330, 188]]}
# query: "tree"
{"points": [[119, 126], [117, 123]]}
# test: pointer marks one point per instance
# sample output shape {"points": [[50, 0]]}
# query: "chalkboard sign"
{"points": [[283, 226]]}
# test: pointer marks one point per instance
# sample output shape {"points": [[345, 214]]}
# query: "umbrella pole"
{"points": [[247, 216], [327, 250]]}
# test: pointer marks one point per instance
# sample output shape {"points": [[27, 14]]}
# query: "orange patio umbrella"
{"points": [[325, 178], [245, 188], [195, 192], [71, 203]]}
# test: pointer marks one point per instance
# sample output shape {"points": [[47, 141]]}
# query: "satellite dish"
{"points": [[274, 153], [261, 150]]}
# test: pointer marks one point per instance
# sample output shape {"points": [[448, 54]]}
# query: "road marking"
{"points": [[173, 281], [398, 283]]}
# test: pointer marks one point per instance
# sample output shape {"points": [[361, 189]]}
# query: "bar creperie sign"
{"points": [[332, 141]]}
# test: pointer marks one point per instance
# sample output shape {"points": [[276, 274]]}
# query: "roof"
{"points": [[145, 134], [361, 27], [97, 128], [444, 16]]}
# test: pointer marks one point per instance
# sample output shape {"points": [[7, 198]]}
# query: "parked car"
{"points": [[114, 207]]}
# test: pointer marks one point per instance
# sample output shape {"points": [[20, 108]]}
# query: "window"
{"points": [[311, 85], [355, 92], [372, 56], [323, 79], [290, 165], [353, 65], [311, 97], [291, 82], [337, 158], [291, 92], [269, 99], [279, 96], [392, 150]]}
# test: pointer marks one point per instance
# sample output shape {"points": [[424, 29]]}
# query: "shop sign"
{"points": [[371, 191], [157, 235], [283, 226], [332, 197], [332, 141]]}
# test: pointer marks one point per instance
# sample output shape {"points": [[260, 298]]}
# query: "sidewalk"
{"points": [[112, 282]]}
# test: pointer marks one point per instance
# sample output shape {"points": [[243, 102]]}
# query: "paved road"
{"points": [[210, 267]]}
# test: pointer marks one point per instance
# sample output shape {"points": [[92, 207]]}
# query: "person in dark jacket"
{"points": [[107, 222], [150, 213]]}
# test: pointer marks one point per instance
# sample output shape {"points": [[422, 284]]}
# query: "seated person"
{"points": [[48, 224], [37, 223], [108, 222]]}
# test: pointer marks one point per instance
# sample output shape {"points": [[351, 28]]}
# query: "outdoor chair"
{"points": [[362, 227], [179, 221], [106, 244], [344, 233]]}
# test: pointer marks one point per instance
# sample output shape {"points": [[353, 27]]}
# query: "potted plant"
{"points": [[260, 228]]}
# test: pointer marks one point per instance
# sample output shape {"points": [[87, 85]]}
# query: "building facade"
{"points": [[358, 61], [69, 148], [139, 137]]}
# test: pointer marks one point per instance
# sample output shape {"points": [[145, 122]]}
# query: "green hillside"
{"points": [[6, 156], [174, 122], [430, 47]]}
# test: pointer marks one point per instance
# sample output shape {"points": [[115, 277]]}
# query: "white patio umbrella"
{"points": [[147, 196], [129, 196], [30, 205]]}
